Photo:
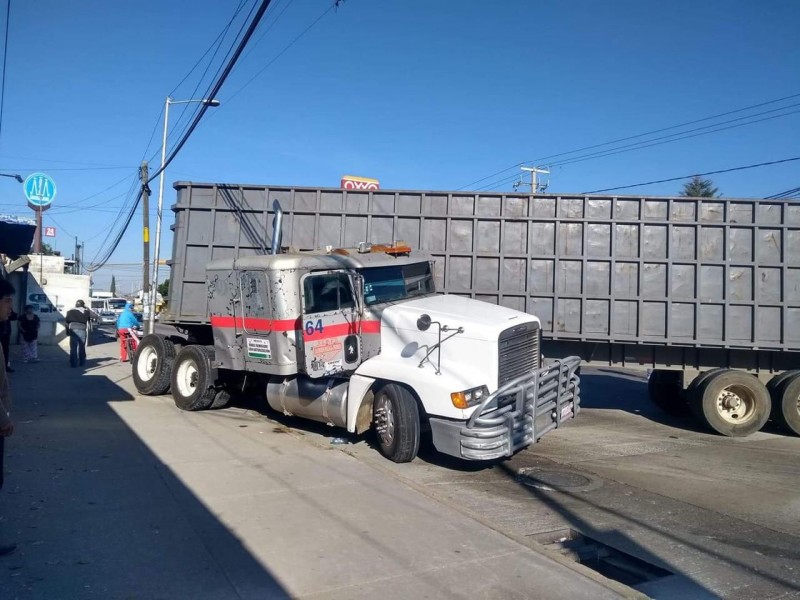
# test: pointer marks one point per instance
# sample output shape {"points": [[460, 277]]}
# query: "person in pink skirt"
{"points": [[29, 327]]}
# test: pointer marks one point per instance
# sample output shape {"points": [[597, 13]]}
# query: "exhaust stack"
{"points": [[277, 227]]}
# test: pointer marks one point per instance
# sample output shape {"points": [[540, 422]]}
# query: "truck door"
{"points": [[330, 325], [256, 321]]}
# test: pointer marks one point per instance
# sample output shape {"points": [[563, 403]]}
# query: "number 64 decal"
{"points": [[311, 327]]}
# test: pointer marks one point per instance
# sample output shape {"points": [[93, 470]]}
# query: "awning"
{"points": [[16, 235]]}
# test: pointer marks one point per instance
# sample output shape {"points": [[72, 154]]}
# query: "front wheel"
{"points": [[192, 380], [732, 403], [396, 423]]}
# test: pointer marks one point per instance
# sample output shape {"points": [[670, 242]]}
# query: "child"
{"points": [[29, 326]]}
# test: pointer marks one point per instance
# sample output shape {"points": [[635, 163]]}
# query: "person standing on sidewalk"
{"points": [[125, 322], [6, 424], [78, 327], [29, 326]]}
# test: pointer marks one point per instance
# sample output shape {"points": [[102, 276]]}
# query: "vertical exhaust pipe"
{"points": [[277, 227]]}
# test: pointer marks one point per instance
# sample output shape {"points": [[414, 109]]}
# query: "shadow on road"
{"points": [[94, 511]]}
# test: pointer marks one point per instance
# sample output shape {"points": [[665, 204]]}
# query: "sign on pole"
{"points": [[40, 190], [50, 232]]}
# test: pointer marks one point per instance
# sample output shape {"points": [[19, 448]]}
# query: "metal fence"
{"points": [[680, 271]]}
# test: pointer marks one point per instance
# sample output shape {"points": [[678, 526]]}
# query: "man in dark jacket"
{"points": [[78, 327], [5, 340]]}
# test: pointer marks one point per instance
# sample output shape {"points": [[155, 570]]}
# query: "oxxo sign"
{"points": [[40, 190], [351, 182]]}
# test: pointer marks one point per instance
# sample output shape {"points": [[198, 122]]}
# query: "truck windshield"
{"points": [[386, 284], [116, 303]]}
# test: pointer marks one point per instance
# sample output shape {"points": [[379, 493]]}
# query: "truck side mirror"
{"points": [[424, 322]]}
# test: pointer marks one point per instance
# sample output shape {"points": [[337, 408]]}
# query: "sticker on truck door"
{"points": [[259, 348]]}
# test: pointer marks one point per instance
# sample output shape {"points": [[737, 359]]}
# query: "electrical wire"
{"points": [[646, 144], [215, 90], [631, 137], [623, 187], [792, 193], [5, 57]]}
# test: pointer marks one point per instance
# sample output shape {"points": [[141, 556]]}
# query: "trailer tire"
{"points": [[732, 403], [396, 422], [666, 392], [151, 367], [192, 381], [775, 383], [786, 404]]}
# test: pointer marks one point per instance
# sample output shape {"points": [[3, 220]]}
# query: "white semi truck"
{"points": [[356, 338]]}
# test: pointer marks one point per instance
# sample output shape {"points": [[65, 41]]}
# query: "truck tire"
{"points": [[151, 366], [666, 392], [192, 381], [396, 422], [732, 403], [221, 399], [786, 404]]}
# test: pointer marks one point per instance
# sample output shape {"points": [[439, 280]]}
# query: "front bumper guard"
{"points": [[515, 416]]}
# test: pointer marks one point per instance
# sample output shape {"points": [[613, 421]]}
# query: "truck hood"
{"points": [[480, 320]]}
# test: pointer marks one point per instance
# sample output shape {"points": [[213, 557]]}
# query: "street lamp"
{"points": [[15, 176], [154, 286]]}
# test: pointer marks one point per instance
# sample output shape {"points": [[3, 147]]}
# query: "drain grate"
{"points": [[556, 480], [609, 562]]}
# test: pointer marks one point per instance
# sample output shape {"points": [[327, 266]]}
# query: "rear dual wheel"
{"points": [[730, 402], [193, 378], [786, 400], [666, 391], [152, 365]]}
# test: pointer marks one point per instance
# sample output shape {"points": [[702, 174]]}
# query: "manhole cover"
{"points": [[556, 480]]}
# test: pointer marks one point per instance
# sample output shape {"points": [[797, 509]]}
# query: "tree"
{"points": [[113, 285], [700, 188], [163, 288]]}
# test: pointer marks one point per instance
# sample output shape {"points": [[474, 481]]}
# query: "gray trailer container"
{"points": [[704, 292]]}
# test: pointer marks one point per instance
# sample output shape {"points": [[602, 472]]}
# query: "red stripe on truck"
{"points": [[334, 330]]}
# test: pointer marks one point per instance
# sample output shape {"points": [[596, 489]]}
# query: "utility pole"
{"points": [[534, 171], [144, 175]]}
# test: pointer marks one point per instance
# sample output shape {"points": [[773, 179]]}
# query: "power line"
{"points": [[623, 187], [631, 137], [5, 57], [792, 193], [215, 90], [646, 144]]}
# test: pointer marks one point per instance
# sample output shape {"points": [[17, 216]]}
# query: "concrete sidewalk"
{"points": [[109, 495]]}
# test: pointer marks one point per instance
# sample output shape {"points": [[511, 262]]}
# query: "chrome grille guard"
{"points": [[523, 410]]}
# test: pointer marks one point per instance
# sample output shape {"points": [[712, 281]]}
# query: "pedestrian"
{"points": [[6, 424], [125, 322], [5, 340], [77, 326], [29, 326]]}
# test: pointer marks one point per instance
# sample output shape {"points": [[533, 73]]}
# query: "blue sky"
{"points": [[421, 94]]}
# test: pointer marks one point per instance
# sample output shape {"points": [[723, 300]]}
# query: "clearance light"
{"points": [[469, 397]]}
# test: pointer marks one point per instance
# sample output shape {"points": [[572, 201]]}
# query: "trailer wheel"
{"points": [[192, 381], [786, 403], [666, 392], [152, 365], [732, 403], [396, 422], [775, 383]]}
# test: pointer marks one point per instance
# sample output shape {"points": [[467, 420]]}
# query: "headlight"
{"points": [[469, 397]]}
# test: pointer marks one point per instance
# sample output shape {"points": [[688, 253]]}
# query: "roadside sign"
{"points": [[50, 232], [40, 189], [351, 182]]}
